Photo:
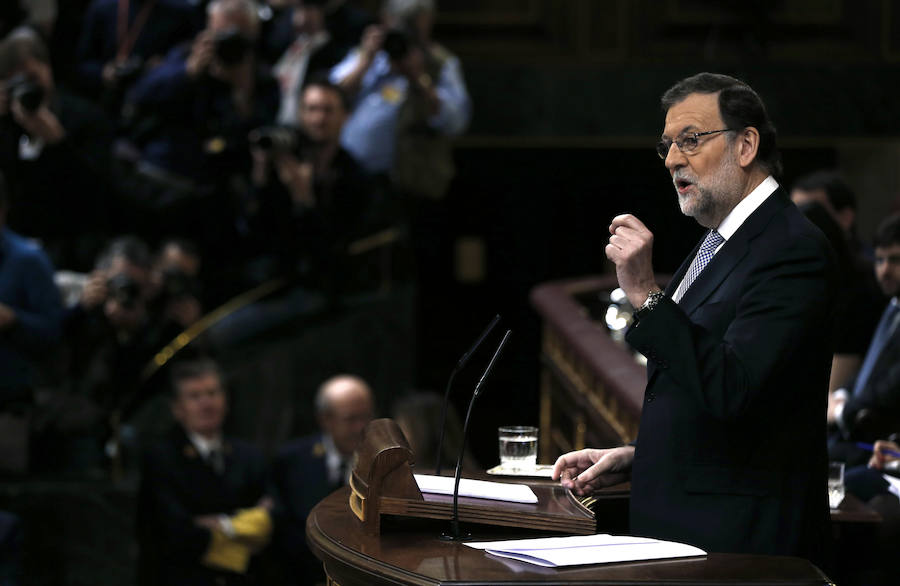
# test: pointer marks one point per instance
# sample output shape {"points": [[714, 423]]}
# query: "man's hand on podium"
{"points": [[586, 470]]}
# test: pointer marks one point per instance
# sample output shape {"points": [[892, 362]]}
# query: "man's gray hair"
{"points": [[405, 9], [249, 7]]}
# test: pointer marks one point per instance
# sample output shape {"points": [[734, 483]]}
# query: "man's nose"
{"points": [[675, 158]]}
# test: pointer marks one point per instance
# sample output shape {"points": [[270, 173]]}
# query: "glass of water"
{"points": [[518, 446], [835, 484]]}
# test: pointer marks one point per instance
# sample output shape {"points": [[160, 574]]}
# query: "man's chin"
{"points": [[891, 289]]}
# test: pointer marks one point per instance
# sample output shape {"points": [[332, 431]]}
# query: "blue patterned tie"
{"points": [[879, 341], [704, 255]]}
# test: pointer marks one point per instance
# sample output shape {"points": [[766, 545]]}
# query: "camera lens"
{"points": [[231, 47], [26, 92]]}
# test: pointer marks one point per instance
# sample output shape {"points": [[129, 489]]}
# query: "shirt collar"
{"points": [[203, 445], [746, 206]]}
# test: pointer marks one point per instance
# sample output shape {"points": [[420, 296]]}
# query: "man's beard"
{"points": [[715, 195]]}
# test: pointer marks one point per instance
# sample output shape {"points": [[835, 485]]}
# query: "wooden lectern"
{"points": [[356, 552], [382, 483]]}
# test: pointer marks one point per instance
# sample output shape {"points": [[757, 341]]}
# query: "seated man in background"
{"points": [[829, 189], [860, 300], [202, 513], [868, 407], [308, 469], [54, 151]]}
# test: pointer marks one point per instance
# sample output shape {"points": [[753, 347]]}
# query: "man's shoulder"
{"points": [[24, 250], [309, 447]]}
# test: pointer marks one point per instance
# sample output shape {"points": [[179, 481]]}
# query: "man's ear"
{"points": [[748, 146]]}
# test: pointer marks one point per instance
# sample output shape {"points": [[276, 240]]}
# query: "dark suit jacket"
{"points": [[880, 398], [178, 485], [731, 452], [299, 480]]}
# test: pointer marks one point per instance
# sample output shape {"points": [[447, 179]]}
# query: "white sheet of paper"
{"points": [[894, 483], [579, 550], [482, 489]]}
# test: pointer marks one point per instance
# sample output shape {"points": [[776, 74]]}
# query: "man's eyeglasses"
{"points": [[686, 143]]}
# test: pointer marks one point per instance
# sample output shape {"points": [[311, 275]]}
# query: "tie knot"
{"points": [[712, 241]]}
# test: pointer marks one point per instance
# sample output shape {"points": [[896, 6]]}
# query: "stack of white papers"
{"points": [[893, 484], [579, 550], [498, 491]]}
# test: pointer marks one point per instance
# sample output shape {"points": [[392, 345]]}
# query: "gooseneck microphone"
{"points": [[459, 365], [454, 519]]}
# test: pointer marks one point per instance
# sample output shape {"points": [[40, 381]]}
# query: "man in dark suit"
{"points": [[731, 452], [868, 407], [310, 468], [202, 512]]}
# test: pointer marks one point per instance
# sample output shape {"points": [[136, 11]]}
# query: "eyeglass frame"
{"points": [[679, 142]]}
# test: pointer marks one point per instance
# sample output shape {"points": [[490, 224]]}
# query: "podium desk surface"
{"points": [[410, 551]]}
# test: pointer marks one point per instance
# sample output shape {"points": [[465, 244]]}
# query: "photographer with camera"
{"points": [[110, 337], [191, 117], [54, 151], [311, 198], [403, 84], [176, 286]]}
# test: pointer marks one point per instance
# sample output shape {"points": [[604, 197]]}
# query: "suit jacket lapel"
{"points": [[731, 253]]}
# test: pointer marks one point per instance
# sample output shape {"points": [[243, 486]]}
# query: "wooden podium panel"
{"points": [[592, 387], [410, 551]]}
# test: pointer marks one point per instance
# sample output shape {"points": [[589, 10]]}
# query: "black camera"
{"points": [[123, 289], [396, 44], [279, 140], [129, 70], [231, 46], [23, 89]]}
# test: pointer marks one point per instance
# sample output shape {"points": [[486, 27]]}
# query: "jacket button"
{"points": [[650, 397]]}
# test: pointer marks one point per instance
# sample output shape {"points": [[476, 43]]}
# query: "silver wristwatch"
{"points": [[653, 299]]}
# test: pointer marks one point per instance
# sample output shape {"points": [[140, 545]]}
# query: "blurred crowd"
{"points": [[161, 158]]}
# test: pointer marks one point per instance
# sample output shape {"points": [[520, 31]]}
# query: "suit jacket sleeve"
{"points": [[881, 396], [727, 371]]}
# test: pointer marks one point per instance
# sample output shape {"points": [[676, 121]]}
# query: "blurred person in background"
{"points": [[40, 14], [312, 51], [867, 406], [30, 316], [311, 198], [860, 300], [120, 39], [308, 469], [406, 90], [176, 290], [54, 151], [190, 120], [202, 511], [831, 190], [110, 337]]}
